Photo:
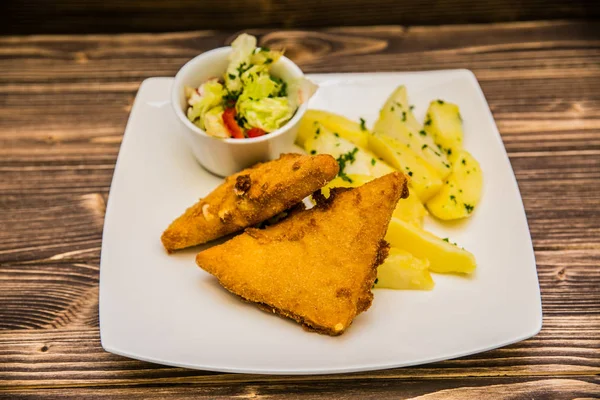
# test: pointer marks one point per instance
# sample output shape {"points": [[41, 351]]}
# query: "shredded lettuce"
{"points": [[268, 113], [242, 49], [258, 86], [211, 95], [213, 121], [266, 57]]}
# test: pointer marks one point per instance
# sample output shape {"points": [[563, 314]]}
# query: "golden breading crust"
{"points": [[250, 197], [317, 266]]}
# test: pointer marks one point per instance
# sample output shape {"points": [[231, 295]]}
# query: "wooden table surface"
{"points": [[64, 105]]}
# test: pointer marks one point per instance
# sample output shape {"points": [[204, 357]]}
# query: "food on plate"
{"points": [[249, 197], [352, 159], [423, 178], [248, 100], [443, 178], [396, 120], [461, 191], [316, 266], [409, 209], [402, 271], [443, 256], [445, 125], [356, 132]]}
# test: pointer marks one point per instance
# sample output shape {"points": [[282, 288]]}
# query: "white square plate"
{"points": [[164, 309]]}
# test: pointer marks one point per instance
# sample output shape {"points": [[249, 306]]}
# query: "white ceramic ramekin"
{"points": [[224, 157]]}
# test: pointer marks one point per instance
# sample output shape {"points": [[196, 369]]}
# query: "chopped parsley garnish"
{"points": [[469, 208], [243, 68], [403, 116], [410, 173], [232, 96], [232, 76], [313, 152], [422, 132], [427, 120], [453, 198], [282, 86], [440, 101], [411, 107], [241, 120], [423, 147], [269, 61], [373, 161], [318, 131], [447, 240], [449, 152], [464, 161], [362, 125], [342, 160], [283, 90], [392, 108], [336, 134]]}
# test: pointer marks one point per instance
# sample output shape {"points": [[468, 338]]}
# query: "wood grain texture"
{"points": [[106, 16], [64, 102]]}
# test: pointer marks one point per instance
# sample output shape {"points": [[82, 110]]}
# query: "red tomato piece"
{"points": [[256, 132], [231, 124]]}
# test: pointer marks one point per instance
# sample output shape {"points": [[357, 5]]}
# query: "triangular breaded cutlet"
{"points": [[317, 266], [250, 197]]}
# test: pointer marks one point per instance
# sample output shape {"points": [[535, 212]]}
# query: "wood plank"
{"points": [[70, 16], [73, 357], [573, 387]]}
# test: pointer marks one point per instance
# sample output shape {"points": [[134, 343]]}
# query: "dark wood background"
{"points": [[117, 16], [64, 103]]}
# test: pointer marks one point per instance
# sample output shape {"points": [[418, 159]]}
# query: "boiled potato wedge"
{"points": [[396, 120], [410, 209], [402, 271], [461, 191], [422, 178], [344, 127], [444, 257], [356, 160], [444, 124]]}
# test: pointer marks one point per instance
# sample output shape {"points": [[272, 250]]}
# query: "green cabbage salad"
{"points": [[247, 101]]}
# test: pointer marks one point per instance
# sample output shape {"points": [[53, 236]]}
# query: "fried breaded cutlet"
{"points": [[250, 197], [317, 266]]}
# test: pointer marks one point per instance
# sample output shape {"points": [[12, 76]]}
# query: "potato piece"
{"points": [[402, 271], [461, 191], [423, 179], [346, 128], [306, 129], [396, 120], [444, 257], [444, 123], [354, 180], [358, 160], [410, 209]]}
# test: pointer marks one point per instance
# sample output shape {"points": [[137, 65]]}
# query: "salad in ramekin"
{"points": [[247, 101]]}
